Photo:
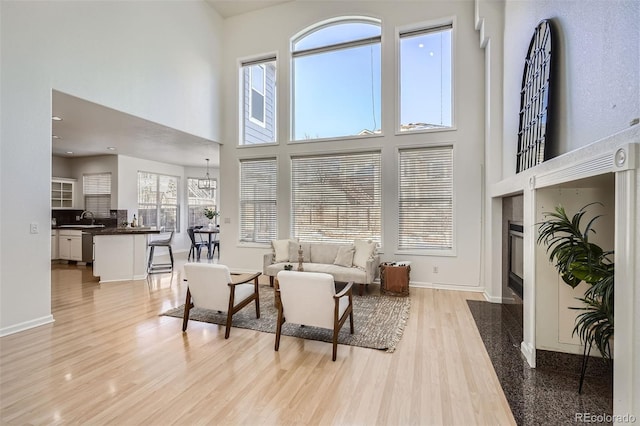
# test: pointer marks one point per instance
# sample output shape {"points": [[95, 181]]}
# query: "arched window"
{"points": [[336, 80]]}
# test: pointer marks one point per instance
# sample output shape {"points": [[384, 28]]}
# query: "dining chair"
{"points": [[196, 244]]}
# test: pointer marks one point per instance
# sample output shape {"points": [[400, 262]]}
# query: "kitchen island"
{"points": [[120, 254]]}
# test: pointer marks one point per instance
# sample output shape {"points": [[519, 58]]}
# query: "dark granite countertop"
{"points": [[118, 231], [100, 230]]}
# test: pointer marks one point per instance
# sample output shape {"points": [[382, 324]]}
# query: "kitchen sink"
{"points": [[81, 226]]}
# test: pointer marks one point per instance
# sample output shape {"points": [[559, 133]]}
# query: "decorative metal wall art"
{"points": [[535, 118]]}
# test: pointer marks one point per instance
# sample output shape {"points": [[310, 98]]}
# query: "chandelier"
{"points": [[206, 182]]}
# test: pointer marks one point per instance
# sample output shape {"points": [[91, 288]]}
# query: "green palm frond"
{"points": [[578, 260]]}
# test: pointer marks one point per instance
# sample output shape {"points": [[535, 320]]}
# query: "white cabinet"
{"points": [[54, 244], [62, 191], [70, 245]]}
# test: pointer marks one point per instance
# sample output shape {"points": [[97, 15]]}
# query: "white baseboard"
{"points": [[437, 286], [529, 353], [492, 299], [16, 328]]}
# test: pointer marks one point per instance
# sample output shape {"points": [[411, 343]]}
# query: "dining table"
{"points": [[212, 239]]}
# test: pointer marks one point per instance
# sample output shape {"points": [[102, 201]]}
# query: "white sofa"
{"points": [[357, 262]]}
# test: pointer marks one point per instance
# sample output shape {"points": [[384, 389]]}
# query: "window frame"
{"points": [[98, 195], [158, 204], [329, 48], [426, 27], [213, 205], [444, 252], [245, 116]]}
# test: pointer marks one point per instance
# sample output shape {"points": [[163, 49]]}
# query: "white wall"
{"points": [[155, 60], [61, 167], [598, 58], [276, 26]]}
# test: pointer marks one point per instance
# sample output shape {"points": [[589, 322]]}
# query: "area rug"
{"points": [[378, 320]]}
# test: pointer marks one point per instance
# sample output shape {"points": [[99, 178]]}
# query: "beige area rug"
{"points": [[378, 320]]}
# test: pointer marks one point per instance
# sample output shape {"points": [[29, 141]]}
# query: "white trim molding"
{"points": [[16, 328]]}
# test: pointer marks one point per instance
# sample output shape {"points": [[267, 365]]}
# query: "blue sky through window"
{"points": [[425, 79], [337, 93]]}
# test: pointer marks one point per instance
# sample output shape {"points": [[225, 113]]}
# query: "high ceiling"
{"points": [[89, 129], [228, 8]]}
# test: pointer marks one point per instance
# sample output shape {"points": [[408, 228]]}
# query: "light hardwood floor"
{"points": [[109, 358]]}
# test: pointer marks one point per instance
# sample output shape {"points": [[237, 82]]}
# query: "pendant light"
{"points": [[206, 182]]}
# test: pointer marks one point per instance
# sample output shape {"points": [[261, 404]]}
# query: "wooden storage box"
{"points": [[394, 279]]}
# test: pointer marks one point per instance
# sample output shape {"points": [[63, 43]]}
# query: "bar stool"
{"points": [[162, 241]]}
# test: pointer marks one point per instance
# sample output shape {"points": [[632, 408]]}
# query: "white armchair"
{"points": [[211, 287], [309, 298]]}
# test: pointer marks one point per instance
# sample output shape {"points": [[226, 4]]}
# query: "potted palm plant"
{"points": [[577, 260]]}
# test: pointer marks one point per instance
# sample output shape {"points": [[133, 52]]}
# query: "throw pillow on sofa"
{"points": [[345, 256], [280, 250], [364, 250]]}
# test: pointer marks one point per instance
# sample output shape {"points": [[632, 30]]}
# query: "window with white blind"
{"points": [[337, 197], [198, 200], [425, 198], [97, 194], [258, 200], [158, 201]]}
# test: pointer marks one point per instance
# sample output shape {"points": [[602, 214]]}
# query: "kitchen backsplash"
{"points": [[70, 217]]}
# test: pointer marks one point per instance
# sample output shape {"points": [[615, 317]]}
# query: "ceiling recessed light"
{"points": [[56, 137], [111, 148], [69, 152], [56, 118]]}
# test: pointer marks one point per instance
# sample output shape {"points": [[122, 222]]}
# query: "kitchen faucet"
{"points": [[87, 212]]}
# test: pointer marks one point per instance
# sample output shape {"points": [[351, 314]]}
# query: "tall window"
{"points": [[258, 200], [97, 193], [336, 197], [158, 201], [425, 199], [198, 200], [336, 80], [258, 103], [425, 79]]}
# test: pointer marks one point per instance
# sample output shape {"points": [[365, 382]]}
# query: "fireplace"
{"points": [[516, 260]]}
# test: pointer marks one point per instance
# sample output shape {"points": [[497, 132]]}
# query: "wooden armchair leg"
{"points": [[336, 329], [255, 283], [187, 307], [230, 312], [279, 328]]}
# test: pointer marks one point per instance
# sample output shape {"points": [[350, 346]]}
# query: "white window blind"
{"points": [[336, 197], [97, 193], [258, 200], [425, 205]]}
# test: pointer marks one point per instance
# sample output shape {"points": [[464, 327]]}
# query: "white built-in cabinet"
{"points": [[70, 245], [62, 191]]}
